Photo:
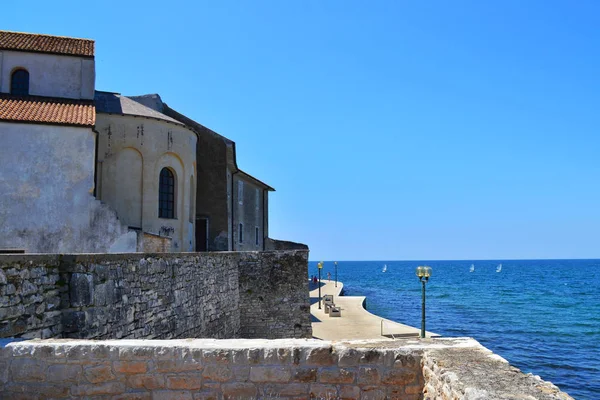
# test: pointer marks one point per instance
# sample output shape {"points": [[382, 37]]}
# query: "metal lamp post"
{"points": [[320, 265], [335, 264], [424, 273]]}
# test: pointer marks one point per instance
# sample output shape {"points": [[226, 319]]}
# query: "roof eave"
{"points": [[258, 181]]}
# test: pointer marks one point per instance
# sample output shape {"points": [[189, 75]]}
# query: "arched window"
{"points": [[166, 194], [19, 83]]}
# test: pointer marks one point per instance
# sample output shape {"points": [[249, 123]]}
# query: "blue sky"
{"points": [[390, 129]]}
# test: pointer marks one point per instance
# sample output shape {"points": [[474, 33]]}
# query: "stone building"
{"points": [[47, 149], [231, 205], [146, 170], [90, 171]]}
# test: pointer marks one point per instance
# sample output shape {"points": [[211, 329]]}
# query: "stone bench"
{"points": [[335, 311]]}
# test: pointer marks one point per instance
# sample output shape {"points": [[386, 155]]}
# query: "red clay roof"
{"points": [[46, 44], [47, 110]]}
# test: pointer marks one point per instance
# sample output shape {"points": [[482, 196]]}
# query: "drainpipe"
{"points": [[264, 208], [97, 141], [232, 211]]}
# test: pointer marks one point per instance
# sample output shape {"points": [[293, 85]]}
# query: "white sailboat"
{"points": [[499, 268], [472, 268], [384, 268]]}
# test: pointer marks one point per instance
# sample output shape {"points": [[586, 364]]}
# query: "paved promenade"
{"points": [[355, 322]]}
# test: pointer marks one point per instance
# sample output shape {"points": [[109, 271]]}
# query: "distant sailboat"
{"points": [[384, 268], [499, 268], [472, 268]]}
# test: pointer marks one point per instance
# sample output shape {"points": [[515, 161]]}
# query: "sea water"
{"points": [[542, 316]]}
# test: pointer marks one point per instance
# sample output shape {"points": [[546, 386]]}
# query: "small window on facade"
{"points": [[166, 194], [256, 239], [241, 233], [19, 83], [241, 192]]}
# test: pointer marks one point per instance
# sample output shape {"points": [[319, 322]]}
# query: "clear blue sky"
{"points": [[391, 130]]}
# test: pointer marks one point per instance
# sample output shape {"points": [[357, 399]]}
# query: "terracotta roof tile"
{"points": [[47, 110], [46, 44]]}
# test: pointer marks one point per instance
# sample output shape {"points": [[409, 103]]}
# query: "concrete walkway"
{"points": [[355, 322]]}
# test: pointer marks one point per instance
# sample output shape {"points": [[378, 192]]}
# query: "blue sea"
{"points": [[543, 316]]}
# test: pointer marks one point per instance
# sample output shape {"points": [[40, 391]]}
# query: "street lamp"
{"points": [[335, 264], [320, 265], [423, 273]]}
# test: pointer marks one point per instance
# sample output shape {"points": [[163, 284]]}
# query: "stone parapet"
{"points": [[266, 369]]}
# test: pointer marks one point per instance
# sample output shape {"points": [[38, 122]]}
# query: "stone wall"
{"points": [[154, 243], [50, 75], [132, 151], [266, 369], [113, 296], [30, 296], [202, 369], [248, 213], [474, 372], [211, 190], [274, 244], [273, 296], [46, 185]]}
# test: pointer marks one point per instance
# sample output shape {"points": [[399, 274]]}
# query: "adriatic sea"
{"points": [[543, 316]]}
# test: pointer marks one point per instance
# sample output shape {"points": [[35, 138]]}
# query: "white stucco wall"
{"points": [[46, 185], [130, 183], [49, 74]]}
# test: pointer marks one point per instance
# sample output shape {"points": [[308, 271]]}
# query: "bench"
{"points": [[335, 311]]}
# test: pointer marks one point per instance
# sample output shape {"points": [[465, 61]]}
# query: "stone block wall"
{"points": [[160, 296], [474, 372], [274, 296], [30, 296], [274, 244], [440, 369], [205, 369], [113, 296], [155, 244]]}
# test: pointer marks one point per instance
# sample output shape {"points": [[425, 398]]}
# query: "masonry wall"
{"points": [[50, 75], [154, 243], [30, 296], [46, 186], [200, 369], [211, 191], [150, 297], [114, 296], [273, 296], [132, 151], [249, 211], [444, 369]]}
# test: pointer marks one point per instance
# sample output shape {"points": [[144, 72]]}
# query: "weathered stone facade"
{"points": [[211, 190], [30, 296], [265, 369], [270, 291], [113, 296], [231, 205], [154, 243]]}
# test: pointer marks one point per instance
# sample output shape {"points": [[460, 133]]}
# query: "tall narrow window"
{"points": [[241, 233], [19, 83], [166, 194], [256, 237]]}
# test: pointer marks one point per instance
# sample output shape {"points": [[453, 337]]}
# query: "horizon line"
{"points": [[468, 259]]}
